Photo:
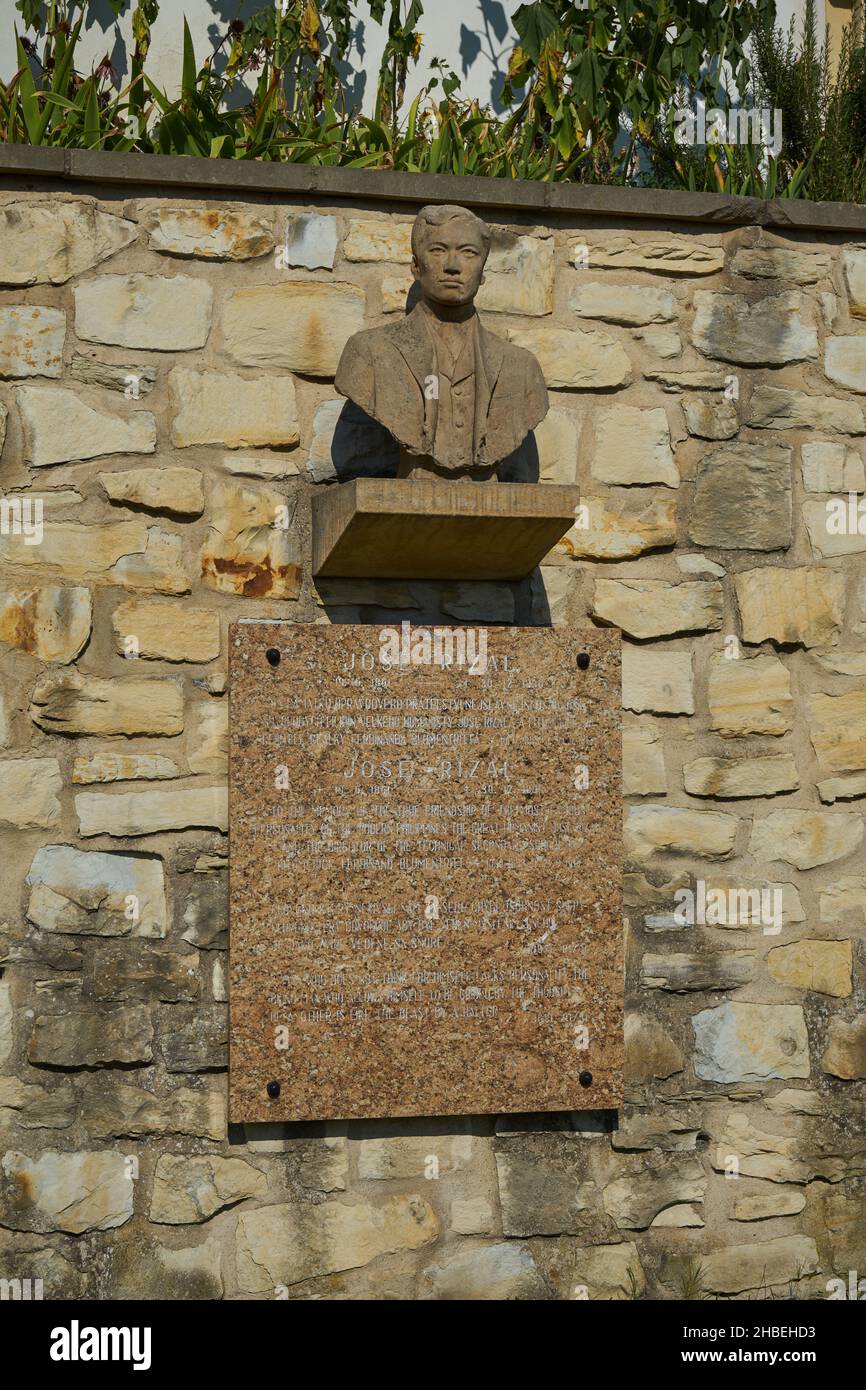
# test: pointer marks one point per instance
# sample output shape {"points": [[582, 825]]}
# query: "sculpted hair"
{"points": [[437, 213]]}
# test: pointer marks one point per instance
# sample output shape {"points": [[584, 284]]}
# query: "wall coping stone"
{"points": [[178, 173]]}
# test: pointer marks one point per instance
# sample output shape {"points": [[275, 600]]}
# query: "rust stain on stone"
{"points": [[18, 628], [23, 1184], [256, 580]]}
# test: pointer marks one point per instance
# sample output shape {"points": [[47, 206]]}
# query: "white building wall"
{"points": [[473, 36]]}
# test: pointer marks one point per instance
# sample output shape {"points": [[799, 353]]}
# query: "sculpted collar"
{"points": [[413, 341]]}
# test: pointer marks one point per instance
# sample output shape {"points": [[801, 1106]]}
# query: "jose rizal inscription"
{"points": [[425, 871]]}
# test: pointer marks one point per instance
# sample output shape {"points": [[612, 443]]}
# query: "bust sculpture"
{"points": [[457, 399]]}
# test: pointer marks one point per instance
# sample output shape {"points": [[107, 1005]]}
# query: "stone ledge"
{"points": [[437, 530], [239, 177]]}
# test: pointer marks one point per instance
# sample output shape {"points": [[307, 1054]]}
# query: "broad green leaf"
{"points": [[535, 23], [189, 73]]}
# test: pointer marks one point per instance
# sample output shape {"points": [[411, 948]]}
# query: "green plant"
{"points": [[594, 95], [690, 1280], [823, 113], [821, 116], [63, 107], [617, 64]]}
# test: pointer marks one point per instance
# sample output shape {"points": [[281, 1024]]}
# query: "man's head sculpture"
{"points": [[450, 246], [457, 399]]}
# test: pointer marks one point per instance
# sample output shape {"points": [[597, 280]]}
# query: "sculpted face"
{"points": [[449, 263]]}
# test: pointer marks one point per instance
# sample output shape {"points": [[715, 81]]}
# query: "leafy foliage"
{"points": [[593, 89], [823, 114], [587, 72]]}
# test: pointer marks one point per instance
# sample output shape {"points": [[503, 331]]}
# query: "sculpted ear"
{"points": [[416, 269]]}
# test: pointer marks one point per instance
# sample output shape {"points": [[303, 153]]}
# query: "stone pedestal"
{"points": [[393, 528]]}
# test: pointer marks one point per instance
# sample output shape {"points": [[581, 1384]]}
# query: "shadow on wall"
{"points": [[433, 1127], [494, 41], [489, 42]]}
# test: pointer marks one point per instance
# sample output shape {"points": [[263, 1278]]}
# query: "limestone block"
{"points": [[657, 682], [92, 1036], [678, 830], [781, 263], [824, 966], [188, 1189], [70, 1192], [92, 893], [207, 233], [765, 332], [803, 606], [518, 276], [104, 766], [302, 325], [749, 696], [31, 340], [70, 702], [654, 608], [114, 1109], [621, 525], [76, 549], [378, 239], [290, 1242], [633, 446], [624, 304], [159, 566], [247, 550], [736, 1041], [174, 490], [746, 777], [832, 468], [150, 811], [785, 408], [743, 498], [52, 622], [48, 242], [806, 838], [845, 362], [59, 427], [165, 631], [309, 240], [239, 412], [160, 312], [574, 360], [669, 254], [854, 265], [30, 793]]}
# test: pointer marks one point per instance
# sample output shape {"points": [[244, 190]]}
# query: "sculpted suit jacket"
{"points": [[384, 371]]}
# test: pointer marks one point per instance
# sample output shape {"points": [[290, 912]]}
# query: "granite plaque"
{"points": [[425, 871]]}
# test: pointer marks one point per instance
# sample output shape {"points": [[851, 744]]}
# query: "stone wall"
{"points": [[166, 386]]}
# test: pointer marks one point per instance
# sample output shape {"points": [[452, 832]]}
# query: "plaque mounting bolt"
{"points": [[273, 656], [585, 1079], [582, 660], [273, 1089]]}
